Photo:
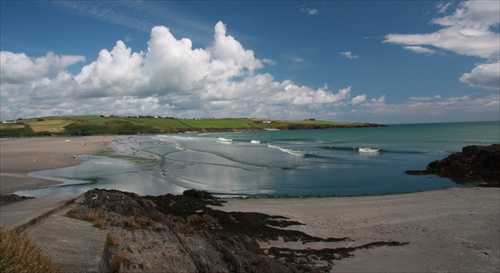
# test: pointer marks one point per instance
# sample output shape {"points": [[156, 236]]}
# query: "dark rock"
{"points": [[475, 164], [180, 233], [11, 198], [202, 195], [416, 172]]}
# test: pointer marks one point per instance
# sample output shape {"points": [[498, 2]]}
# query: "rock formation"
{"points": [[475, 164], [172, 233], [11, 198]]}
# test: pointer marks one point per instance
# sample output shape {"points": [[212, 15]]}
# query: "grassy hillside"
{"points": [[100, 125]]}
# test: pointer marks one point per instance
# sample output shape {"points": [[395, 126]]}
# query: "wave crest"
{"points": [[224, 140], [368, 150], [288, 151]]}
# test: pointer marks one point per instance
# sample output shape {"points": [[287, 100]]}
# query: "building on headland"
{"points": [[9, 121]]}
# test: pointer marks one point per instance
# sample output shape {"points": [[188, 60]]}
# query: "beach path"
{"points": [[74, 245]]}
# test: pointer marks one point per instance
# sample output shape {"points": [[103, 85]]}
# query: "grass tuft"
{"points": [[91, 217], [112, 240], [18, 253], [120, 261]]}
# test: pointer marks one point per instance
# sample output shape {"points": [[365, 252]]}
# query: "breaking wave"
{"points": [[286, 150], [224, 140], [368, 150]]}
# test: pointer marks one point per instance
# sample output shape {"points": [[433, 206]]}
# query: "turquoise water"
{"points": [[340, 162]]}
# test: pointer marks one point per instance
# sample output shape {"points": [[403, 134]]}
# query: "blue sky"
{"points": [[358, 61]]}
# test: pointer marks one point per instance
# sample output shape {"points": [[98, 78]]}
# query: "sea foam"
{"points": [[286, 150]]}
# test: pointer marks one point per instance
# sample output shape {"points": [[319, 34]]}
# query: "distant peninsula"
{"points": [[133, 125]]}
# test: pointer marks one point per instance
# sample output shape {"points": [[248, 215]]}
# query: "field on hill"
{"points": [[114, 125]]}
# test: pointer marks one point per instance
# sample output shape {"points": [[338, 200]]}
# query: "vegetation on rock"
{"points": [[185, 233]]}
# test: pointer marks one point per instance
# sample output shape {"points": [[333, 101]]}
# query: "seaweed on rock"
{"points": [[182, 233]]}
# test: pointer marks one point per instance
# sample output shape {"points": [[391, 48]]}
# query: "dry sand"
{"points": [[20, 156], [454, 230]]}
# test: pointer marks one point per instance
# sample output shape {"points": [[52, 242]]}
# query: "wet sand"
{"points": [[20, 156]]}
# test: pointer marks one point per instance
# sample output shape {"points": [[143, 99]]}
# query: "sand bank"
{"points": [[20, 156], [454, 230]]}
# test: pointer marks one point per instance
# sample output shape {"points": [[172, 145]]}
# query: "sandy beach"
{"points": [[453, 230], [20, 156]]}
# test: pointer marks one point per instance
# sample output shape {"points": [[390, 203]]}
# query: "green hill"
{"points": [[114, 125]]}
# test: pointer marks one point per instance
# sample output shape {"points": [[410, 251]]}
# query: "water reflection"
{"points": [[155, 165]]}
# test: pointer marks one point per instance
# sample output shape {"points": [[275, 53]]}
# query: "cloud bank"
{"points": [[171, 78], [471, 30], [224, 79], [18, 68]]}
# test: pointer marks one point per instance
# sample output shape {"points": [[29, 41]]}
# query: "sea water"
{"points": [[328, 162]]}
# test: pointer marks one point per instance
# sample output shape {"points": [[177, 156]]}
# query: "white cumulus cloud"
{"points": [[358, 99], [485, 76], [17, 68], [170, 78], [115, 72], [290, 93]]}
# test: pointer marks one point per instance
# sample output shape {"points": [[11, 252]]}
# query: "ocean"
{"points": [[327, 162]]}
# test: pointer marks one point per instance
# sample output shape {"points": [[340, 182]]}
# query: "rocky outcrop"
{"points": [[475, 164], [11, 198], [171, 233]]}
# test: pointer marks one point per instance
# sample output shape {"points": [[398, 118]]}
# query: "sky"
{"points": [[356, 61]]}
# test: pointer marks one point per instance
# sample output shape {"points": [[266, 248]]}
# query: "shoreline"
{"points": [[448, 230], [21, 156]]}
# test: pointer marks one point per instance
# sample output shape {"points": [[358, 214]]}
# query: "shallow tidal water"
{"points": [[330, 162]]}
